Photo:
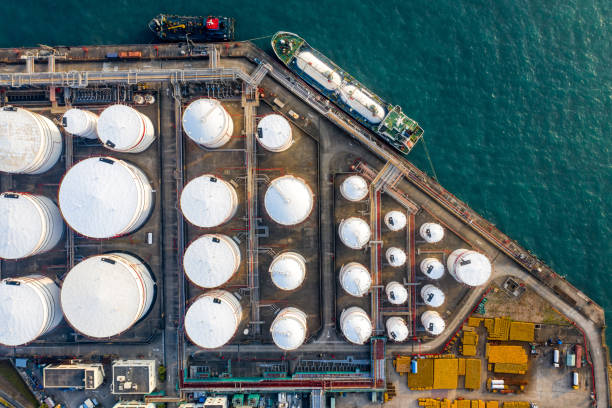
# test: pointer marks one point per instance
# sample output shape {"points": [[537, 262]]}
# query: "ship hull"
{"points": [[199, 29]]}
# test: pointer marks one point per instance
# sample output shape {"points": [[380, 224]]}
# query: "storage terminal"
{"points": [[195, 225]]}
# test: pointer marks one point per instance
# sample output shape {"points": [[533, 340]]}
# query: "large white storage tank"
{"points": [[431, 232], [397, 329], [81, 123], [356, 325], [124, 129], [211, 260], [274, 133], [288, 270], [29, 308], [289, 328], [354, 188], [288, 200], [104, 295], [212, 319], [433, 322], [29, 143], [208, 201], [395, 220], [432, 295], [29, 225], [355, 279], [354, 232], [469, 267], [397, 294], [207, 123], [395, 256], [318, 70], [103, 197], [432, 268]]}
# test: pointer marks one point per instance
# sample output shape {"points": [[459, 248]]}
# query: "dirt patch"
{"points": [[13, 386]]}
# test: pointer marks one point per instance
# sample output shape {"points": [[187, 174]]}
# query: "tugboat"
{"points": [[200, 29]]}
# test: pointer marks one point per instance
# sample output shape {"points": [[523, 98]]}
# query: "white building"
{"points": [[31, 143], [207, 123], [208, 201], [354, 188], [211, 260], [354, 232], [288, 270], [133, 377], [355, 279], [29, 225], [356, 325], [469, 267], [288, 200], [212, 319], [431, 232], [274, 133], [289, 328], [78, 376], [123, 129], [432, 268], [103, 197], [105, 295]]}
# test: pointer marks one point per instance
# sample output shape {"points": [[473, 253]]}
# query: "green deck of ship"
{"points": [[286, 51]]}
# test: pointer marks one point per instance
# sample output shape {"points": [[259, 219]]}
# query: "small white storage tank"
{"points": [[103, 197], [207, 123], [211, 260], [29, 225], [397, 329], [212, 319], [318, 70], [354, 188], [289, 328], [288, 270], [354, 232], [361, 101], [355, 279], [124, 129], [431, 232], [396, 293], [395, 220], [432, 295], [288, 200], [432, 268], [208, 201], [469, 267], [433, 323], [81, 123], [355, 325], [104, 295], [29, 143], [29, 308], [395, 256], [274, 133]]}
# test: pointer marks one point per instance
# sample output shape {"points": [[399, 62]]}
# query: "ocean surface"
{"points": [[515, 96]]}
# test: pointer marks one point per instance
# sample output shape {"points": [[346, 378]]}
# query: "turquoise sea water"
{"points": [[515, 96]]}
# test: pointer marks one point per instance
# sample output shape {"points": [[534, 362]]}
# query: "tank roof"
{"points": [[356, 325], [469, 267], [211, 260], [432, 268], [396, 293], [354, 188], [431, 232], [395, 220], [397, 329], [205, 121], [274, 132], [212, 319], [121, 127], [354, 232], [22, 226], [288, 200], [355, 279], [289, 329], [208, 201], [288, 270]]}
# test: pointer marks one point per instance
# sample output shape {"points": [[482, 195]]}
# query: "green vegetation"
{"points": [[161, 373], [10, 376]]}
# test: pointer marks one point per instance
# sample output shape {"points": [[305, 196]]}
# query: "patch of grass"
{"points": [[12, 377]]}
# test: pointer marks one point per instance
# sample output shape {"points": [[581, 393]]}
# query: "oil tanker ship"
{"points": [[386, 120]]}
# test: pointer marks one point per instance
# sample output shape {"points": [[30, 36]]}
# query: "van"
{"points": [[575, 380], [556, 358]]}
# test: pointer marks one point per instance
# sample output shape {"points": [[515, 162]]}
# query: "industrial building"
{"points": [[133, 377], [75, 376]]}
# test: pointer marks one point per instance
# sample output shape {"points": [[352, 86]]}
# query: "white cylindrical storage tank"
{"points": [[212, 319], [396, 293], [469, 267], [432, 268], [395, 256], [355, 279], [395, 220], [288, 270], [29, 143], [354, 232], [397, 329], [211, 260], [274, 133], [289, 328], [432, 295], [105, 295], [208, 201], [81, 123], [355, 325], [207, 123], [354, 188], [29, 225], [103, 197], [124, 129], [433, 322], [288, 200], [29, 308], [431, 232]]}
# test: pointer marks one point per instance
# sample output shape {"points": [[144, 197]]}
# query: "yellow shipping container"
{"points": [[522, 331], [445, 373], [507, 354], [472, 373]]}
